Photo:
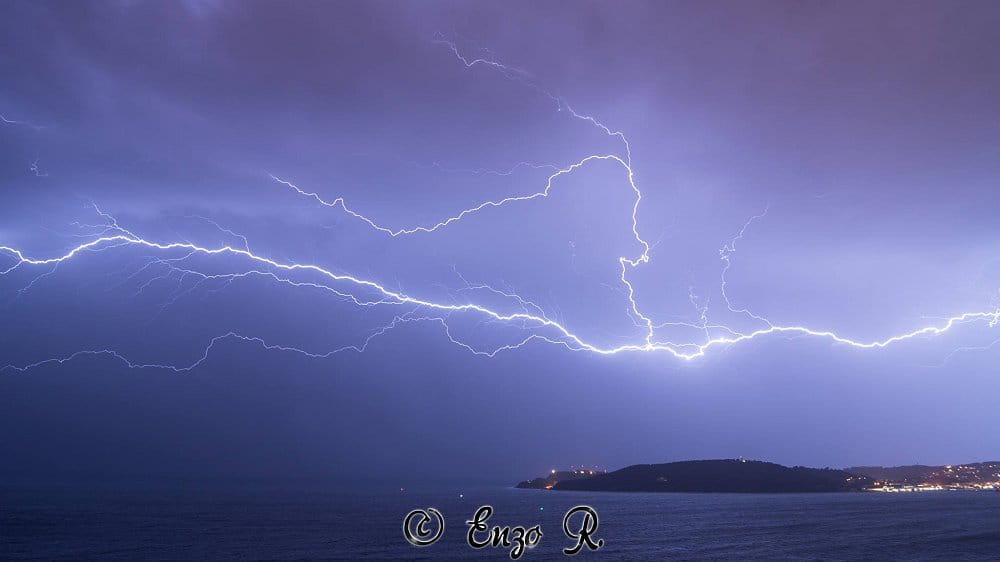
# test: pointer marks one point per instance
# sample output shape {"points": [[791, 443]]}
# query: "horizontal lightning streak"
{"points": [[563, 336]]}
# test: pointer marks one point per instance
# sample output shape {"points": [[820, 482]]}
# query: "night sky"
{"points": [[815, 178]]}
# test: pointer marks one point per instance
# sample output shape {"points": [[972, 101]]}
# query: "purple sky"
{"points": [[865, 138]]}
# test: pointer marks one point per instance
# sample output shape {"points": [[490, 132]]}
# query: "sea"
{"points": [[300, 523]]}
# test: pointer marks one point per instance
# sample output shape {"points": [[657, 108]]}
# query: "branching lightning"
{"points": [[529, 319], [34, 169]]}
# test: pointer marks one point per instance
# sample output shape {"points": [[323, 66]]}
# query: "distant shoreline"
{"points": [[750, 476]]}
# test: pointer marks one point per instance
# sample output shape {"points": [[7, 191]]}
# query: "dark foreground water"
{"points": [[196, 524]]}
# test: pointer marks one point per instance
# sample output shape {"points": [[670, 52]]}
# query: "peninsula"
{"points": [[729, 475], [748, 476]]}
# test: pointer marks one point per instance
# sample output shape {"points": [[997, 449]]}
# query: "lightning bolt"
{"points": [[725, 254], [527, 317], [33, 168], [7, 121], [548, 330]]}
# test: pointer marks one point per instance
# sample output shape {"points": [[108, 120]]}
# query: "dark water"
{"points": [[72, 524]]}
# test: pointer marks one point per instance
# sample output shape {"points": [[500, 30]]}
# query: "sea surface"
{"points": [[265, 523]]}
